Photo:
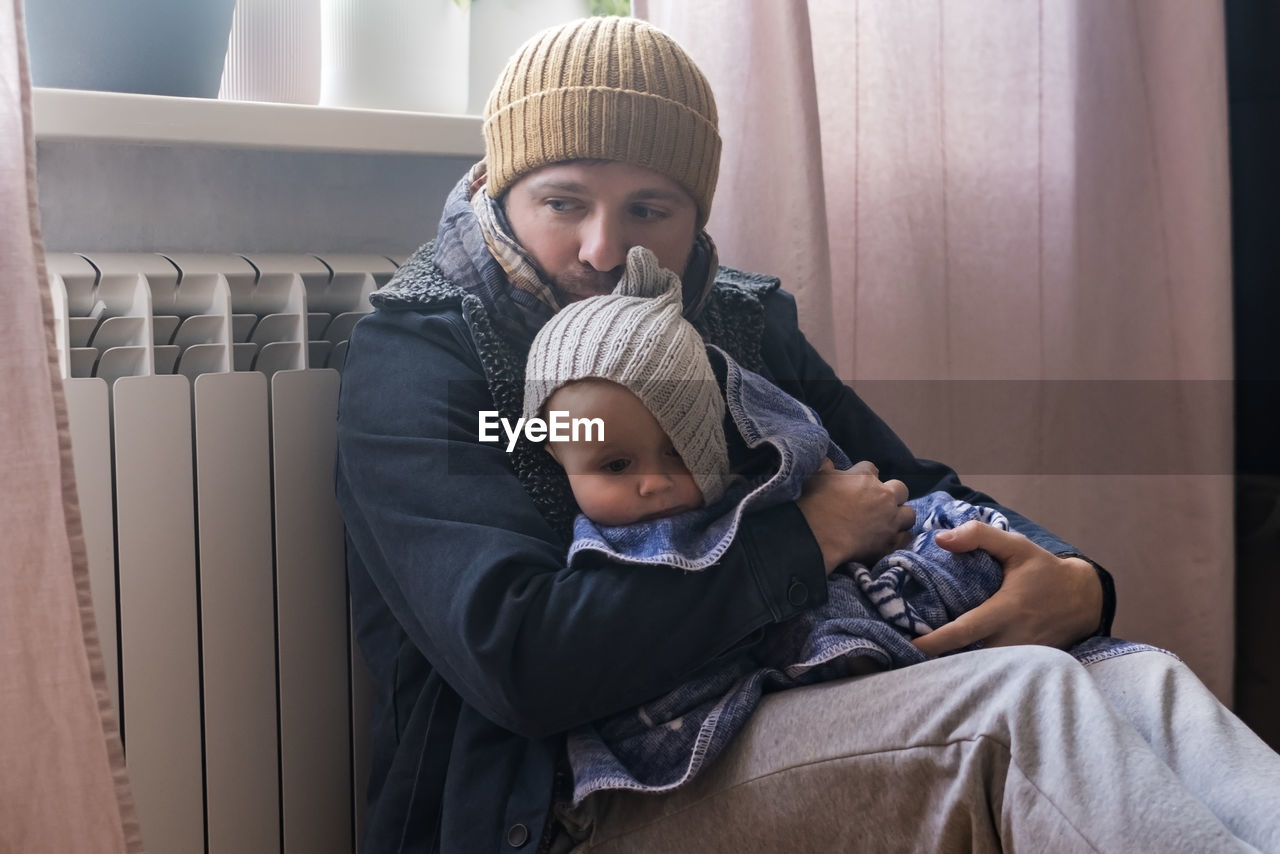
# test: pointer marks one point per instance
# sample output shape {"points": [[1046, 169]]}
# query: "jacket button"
{"points": [[517, 836], [797, 593]]}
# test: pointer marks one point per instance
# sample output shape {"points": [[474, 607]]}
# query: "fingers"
{"points": [[895, 486], [970, 627], [906, 519], [865, 467], [1004, 546]]}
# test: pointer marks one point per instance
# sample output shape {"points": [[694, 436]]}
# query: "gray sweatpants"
{"points": [[1013, 749]]}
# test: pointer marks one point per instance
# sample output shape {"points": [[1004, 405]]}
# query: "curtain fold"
{"points": [[771, 182], [1026, 266], [63, 787]]}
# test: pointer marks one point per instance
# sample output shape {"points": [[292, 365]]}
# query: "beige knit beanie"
{"points": [[604, 88], [638, 338]]}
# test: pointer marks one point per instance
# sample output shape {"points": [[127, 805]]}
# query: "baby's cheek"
{"points": [[598, 499]]}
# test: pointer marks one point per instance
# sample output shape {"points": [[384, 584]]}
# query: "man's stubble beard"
{"points": [[582, 283]]}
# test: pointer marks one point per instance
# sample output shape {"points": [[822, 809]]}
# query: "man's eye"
{"points": [[559, 205], [646, 212], [616, 466]]}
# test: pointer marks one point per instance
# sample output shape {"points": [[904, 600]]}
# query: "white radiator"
{"points": [[202, 391]]}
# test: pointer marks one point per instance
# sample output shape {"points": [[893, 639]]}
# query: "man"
{"points": [[485, 648]]}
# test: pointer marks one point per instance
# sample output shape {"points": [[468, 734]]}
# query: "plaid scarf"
{"points": [[521, 271]]}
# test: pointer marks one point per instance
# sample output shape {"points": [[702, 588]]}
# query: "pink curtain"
{"points": [[63, 787], [1007, 227]]}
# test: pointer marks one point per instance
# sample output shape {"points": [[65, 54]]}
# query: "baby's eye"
{"points": [[616, 466]]}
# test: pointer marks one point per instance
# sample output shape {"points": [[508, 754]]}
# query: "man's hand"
{"points": [[853, 515], [1044, 599]]}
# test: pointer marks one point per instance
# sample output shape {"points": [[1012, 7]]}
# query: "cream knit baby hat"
{"points": [[638, 338]]}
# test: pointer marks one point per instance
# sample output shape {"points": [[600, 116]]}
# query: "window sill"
{"points": [[63, 114]]}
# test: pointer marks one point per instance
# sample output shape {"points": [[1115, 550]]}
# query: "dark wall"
{"points": [[1253, 75]]}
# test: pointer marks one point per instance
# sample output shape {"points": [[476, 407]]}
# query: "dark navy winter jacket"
{"points": [[484, 647]]}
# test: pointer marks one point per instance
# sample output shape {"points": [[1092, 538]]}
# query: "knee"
{"points": [[1017, 694], [1156, 661], [1034, 672], [1148, 672], [1046, 658], [1034, 661]]}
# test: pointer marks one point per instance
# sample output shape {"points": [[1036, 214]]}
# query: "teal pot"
{"points": [[153, 47]]}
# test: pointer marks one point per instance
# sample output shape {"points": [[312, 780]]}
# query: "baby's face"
{"points": [[633, 475]]}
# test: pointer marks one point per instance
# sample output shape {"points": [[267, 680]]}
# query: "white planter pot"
{"points": [[394, 55], [274, 52], [498, 27]]}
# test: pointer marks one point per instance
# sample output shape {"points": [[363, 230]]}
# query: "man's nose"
{"points": [[603, 246]]}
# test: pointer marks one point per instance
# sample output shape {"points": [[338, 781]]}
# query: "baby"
{"points": [[633, 474], [631, 360], [666, 485]]}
